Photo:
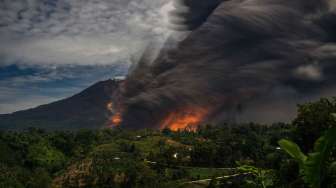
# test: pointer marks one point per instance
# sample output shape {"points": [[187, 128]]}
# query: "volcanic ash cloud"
{"points": [[239, 61]]}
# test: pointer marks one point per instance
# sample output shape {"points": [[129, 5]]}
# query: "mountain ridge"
{"points": [[86, 109]]}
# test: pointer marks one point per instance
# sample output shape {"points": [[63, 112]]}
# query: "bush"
{"points": [[44, 156]]}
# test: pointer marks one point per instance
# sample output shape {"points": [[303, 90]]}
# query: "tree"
{"points": [[39, 178], [315, 166], [9, 178], [203, 154], [45, 156], [63, 141], [312, 120]]}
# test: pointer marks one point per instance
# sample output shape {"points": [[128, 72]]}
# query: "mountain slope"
{"points": [[84, 110]]}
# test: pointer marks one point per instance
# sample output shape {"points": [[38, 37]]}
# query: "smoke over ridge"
{"points": [[246, 60]]}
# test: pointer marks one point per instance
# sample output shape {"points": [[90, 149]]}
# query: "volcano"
{"points": [[239, 61], [86, 109]]}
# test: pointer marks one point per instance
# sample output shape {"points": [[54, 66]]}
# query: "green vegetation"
{"points": [[246, 156], [316, 166]]}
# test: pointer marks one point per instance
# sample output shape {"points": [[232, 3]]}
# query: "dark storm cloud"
{"points": [[248, 58]]}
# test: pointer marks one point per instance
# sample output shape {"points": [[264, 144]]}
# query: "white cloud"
{"points": [[309, 72], [85, 32], [71, 44], [82, 50]]}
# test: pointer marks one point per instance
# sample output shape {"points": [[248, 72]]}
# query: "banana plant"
{"points": [[314, 167]]}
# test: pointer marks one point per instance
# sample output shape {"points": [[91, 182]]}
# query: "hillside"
{"points": [[86, 109], [228, 156]]}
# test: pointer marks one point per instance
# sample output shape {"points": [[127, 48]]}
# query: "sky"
{"points": [[52, 49]]}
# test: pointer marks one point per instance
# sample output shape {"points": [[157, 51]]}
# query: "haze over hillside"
{"points": [[86, 109]]}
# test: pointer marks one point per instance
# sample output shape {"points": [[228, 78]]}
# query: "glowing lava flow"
{"points": [[187, 119], [116, 119]]}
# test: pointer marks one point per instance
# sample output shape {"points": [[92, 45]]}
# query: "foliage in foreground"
{"points": [[246, 155], [316, 168]]}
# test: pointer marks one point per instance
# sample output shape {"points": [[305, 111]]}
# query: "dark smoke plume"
{"points": [[243, 60]]}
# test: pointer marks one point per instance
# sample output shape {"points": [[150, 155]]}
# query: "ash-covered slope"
{"points": [[84, 110]]}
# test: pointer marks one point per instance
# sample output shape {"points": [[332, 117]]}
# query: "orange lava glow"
{"points": [[187, 119], [116, 119]]}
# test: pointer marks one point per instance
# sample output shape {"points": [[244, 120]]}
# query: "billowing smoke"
{"points": [[243, 60]]}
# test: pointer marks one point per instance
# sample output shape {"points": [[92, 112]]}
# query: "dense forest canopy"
{"points": [[244, 155]]}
